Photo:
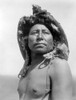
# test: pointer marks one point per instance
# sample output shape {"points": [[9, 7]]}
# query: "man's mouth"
{"points": [[39, 44]]}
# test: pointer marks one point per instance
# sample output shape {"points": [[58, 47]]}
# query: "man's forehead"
{"points": [[39, 26]]}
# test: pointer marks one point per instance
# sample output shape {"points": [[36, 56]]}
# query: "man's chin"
{"points": [[41, 51]]}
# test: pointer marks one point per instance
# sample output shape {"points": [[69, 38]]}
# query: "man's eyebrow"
{"points": [[36, 30], [44, 30]]}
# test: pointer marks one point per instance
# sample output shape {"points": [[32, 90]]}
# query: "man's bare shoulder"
{"points": [[59, 62], [60, 67], [61, 79]]}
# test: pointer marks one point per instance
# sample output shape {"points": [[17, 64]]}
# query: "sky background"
{"points": [[11, 11]]}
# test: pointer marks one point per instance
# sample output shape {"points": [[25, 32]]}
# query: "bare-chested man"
{"points": [[46, 74]]}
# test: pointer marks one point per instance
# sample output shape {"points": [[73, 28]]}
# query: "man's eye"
{"points": [[46, 32], [33, 33]]}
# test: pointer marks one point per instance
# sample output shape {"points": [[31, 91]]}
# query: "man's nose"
{"points": [[40, 35]]}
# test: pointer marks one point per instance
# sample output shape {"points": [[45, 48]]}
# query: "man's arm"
{"points": [[61, 80]]}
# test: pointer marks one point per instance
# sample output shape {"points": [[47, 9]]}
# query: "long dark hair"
{"points": [[41, 17]]}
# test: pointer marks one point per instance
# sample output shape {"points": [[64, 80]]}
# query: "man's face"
{"points": [[40, 39]]}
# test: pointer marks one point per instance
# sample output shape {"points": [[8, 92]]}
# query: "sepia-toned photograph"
{"points": [[37, 50]]}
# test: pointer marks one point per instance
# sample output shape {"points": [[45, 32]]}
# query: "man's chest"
{"points": [[36, 81]]}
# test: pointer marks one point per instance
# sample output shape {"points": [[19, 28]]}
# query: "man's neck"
{"points": [[37, 57]]}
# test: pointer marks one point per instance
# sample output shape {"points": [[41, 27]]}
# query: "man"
{"points": [[46, 74]]}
